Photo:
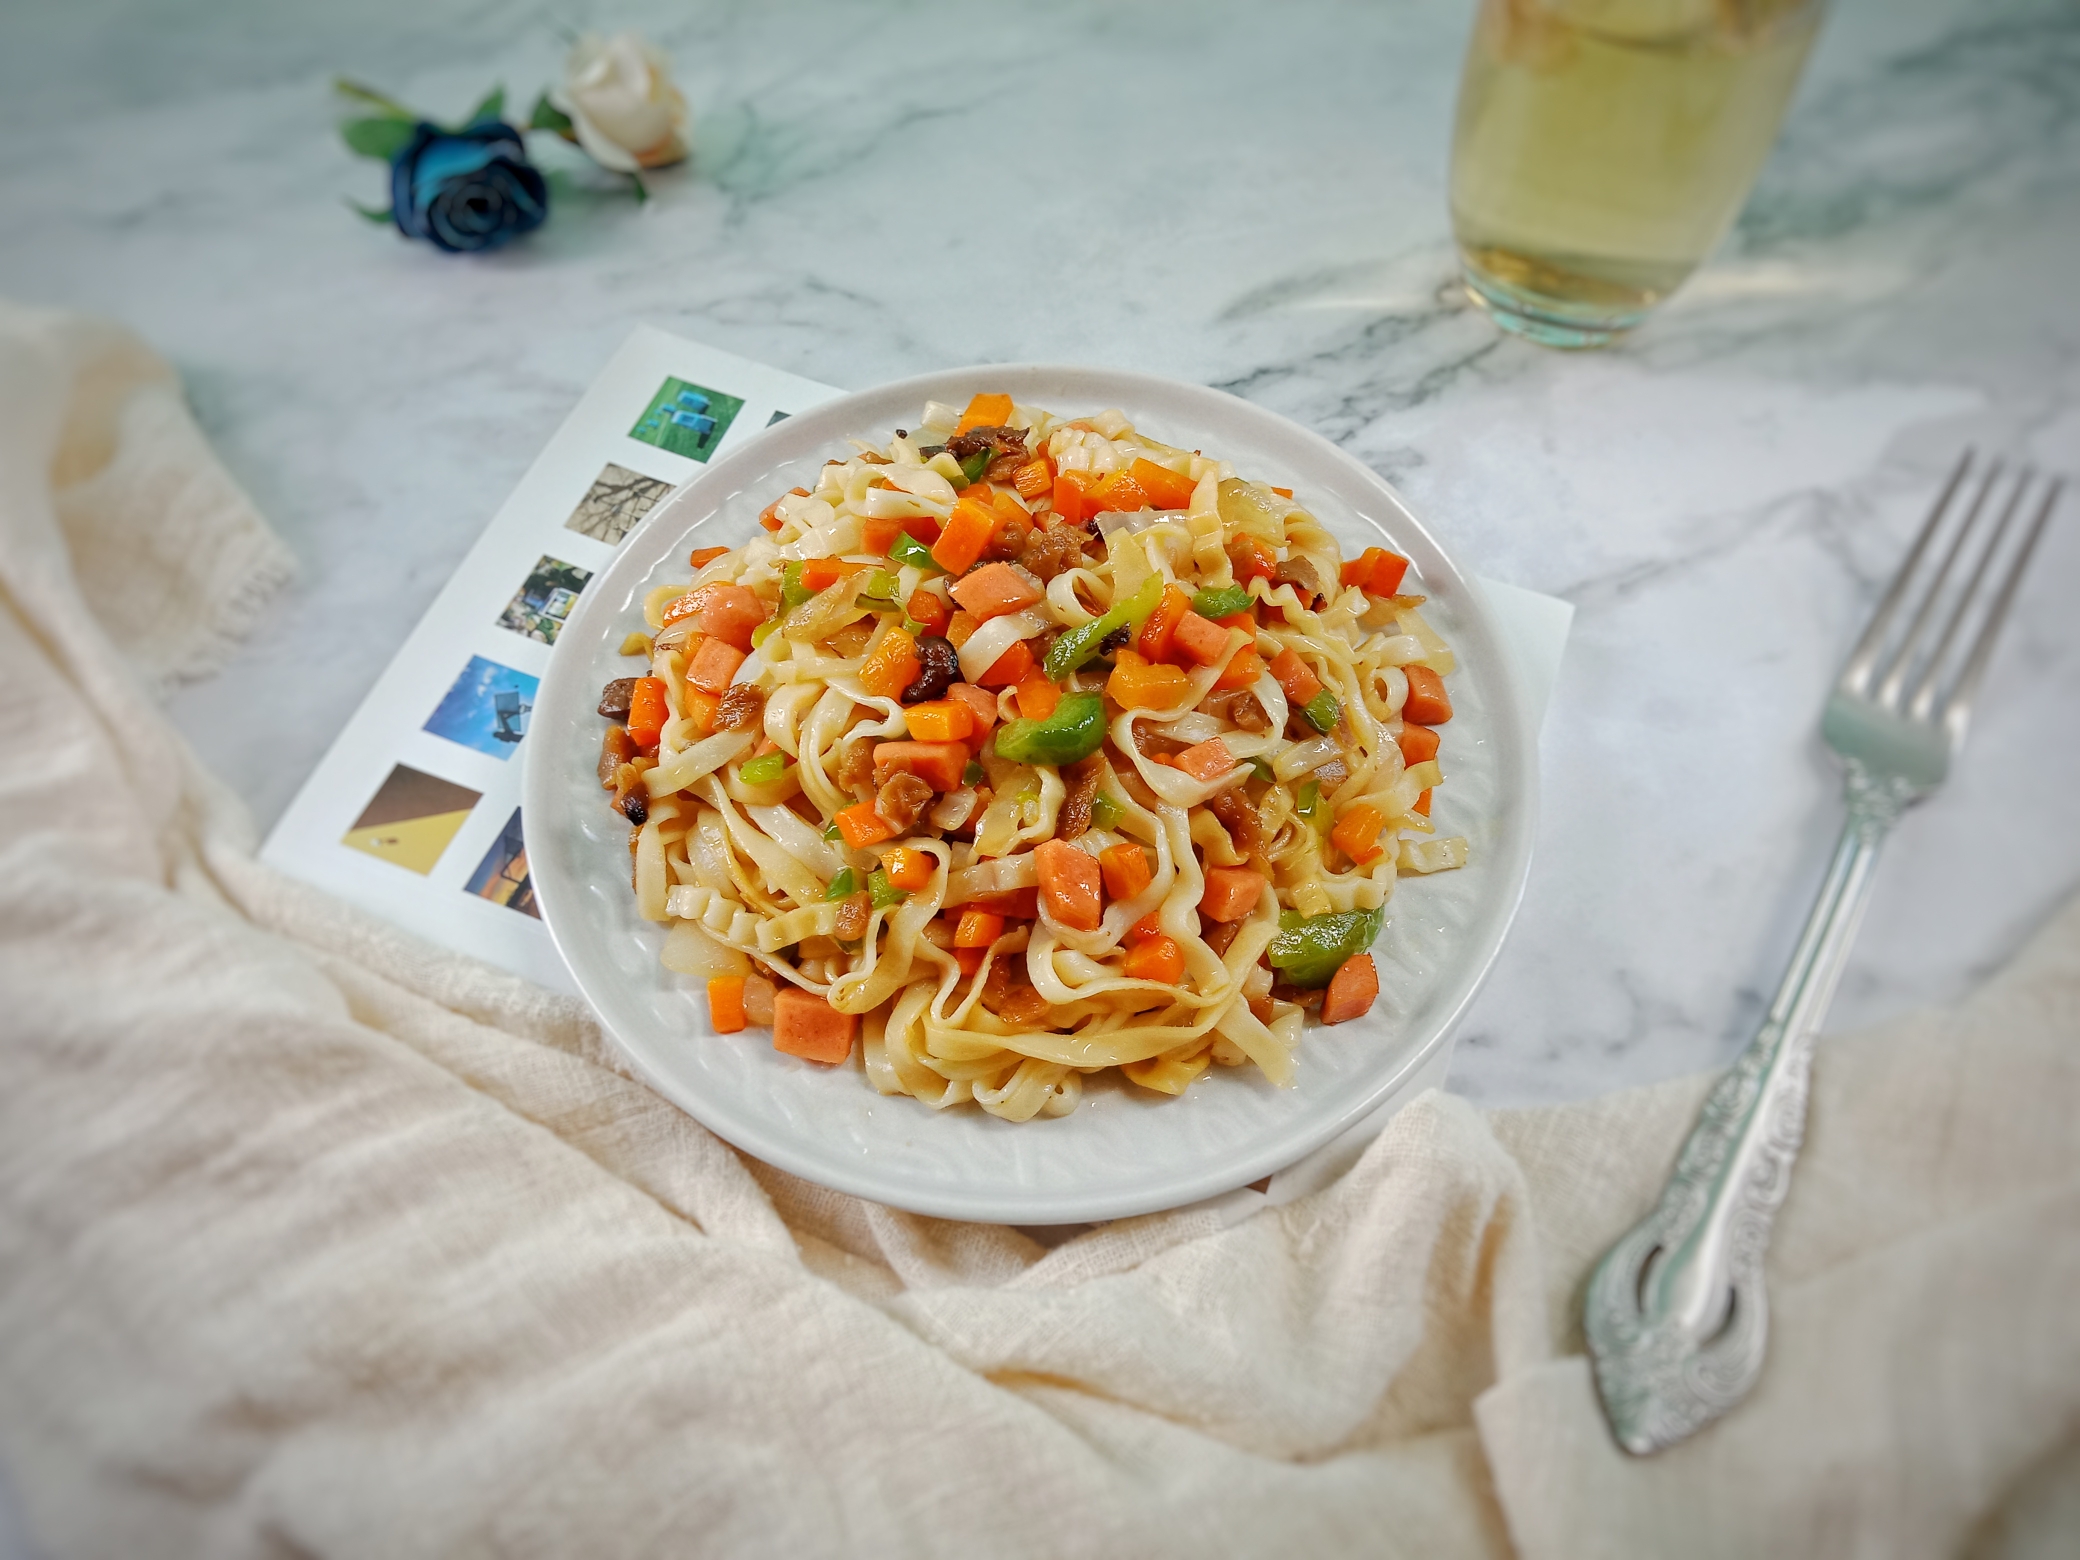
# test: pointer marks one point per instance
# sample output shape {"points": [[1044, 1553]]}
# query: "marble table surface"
{"points": [[1248, 196]]}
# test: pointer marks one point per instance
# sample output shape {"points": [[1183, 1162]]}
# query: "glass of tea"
{"points": [[1603, 148]]}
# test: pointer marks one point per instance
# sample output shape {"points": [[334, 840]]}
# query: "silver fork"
{"points": [[1676, 1315]]}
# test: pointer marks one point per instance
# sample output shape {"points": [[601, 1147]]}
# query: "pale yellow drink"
{"points": [[1603, 147]]}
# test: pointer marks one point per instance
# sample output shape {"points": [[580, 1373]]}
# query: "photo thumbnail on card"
{"points": [[486, 708], [502, 876], [411, 819], [617, 499], [687, 419], [544, 599]]}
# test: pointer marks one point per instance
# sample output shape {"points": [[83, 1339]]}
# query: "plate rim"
{"points": [[1517, 779]]}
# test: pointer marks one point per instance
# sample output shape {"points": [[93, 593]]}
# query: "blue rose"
{"points": [[464, 190]]}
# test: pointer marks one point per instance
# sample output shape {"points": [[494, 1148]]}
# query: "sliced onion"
{"points": [[1303, 758], [1114, 521], [954, 809], [990, 641], [993, 877], [800, 841], [704, 757]]}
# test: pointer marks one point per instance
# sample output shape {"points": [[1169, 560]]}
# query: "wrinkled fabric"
{"points": [[317, 1239]]}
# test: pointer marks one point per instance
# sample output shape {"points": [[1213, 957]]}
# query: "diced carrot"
{"points": [[1156, 634], [1200, 640], [942, 720], [1283, 492], [991, 410], [1352, 990], [938, 764], [680, 608], [769, 517], [1231, 893], [1072, 496], [1419, 744], [1357, 833], [1166, 489], [701, 557], [1037, 697], [892, 666], [1126, 870], [1158, 959], [970, 959], [1296, 677], [982, 704], [1422, 804], [1009, 669], [960, 628], [862, 826], [910, 870], [1208, 761], [879, 532], [1253, 558], [805, 1025], [996, 589], [1070, 890], [1118, 492], [1138, 684], [1244, 667], [647, 712], [1246, 621], [1150, 925], [1428, 704], [713, 665], [1008, 507], [1387, 570], [927, 611], [726, 1003], [977, 929], [966, 534], [1033, 478], [1014, 904], [1358, 571], [729, 613], [700, 709]]}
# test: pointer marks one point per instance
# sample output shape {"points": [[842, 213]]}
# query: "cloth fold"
{"points": [[316, 1239]]}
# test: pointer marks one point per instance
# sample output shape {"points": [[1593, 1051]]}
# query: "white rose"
{"points": [[622, 105]]}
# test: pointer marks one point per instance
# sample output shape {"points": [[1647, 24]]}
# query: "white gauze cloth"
{"points": [[317, 1240]]}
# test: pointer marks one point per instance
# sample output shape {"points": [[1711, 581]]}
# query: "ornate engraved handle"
{"points": [[1676, 1314]]}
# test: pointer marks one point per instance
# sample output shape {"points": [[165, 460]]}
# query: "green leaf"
{"points": [[547, 116], [493, 107], [385, 216], [381, 138], [370, 98]]}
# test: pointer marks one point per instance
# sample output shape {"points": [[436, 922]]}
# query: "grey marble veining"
{"points": [[1247, 196]]}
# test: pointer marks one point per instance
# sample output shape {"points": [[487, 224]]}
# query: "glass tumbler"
{"points": [[1603, 147]]}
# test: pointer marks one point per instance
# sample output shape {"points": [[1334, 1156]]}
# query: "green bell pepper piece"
{"points": [[908, 549], [1323, 711], [763, 771], [879, 594], [1308, 804], [1080, 644], [764, 631], [1312, 948], [834, 833], [1105, 812], [975, 465], [1075, 730], [842, 886], [974, 774], [1225, 602], [792, 591], [884, 893]]}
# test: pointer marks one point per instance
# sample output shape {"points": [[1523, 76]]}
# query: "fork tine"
{"points": [[1857, 672], [1923, 698], [1887, 696], [1957, 708]]}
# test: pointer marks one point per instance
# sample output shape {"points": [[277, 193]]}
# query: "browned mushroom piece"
{"points": [[1083, 777], [853, 911], [1050, 552], [616, 748], [1009, 539], [1220, 934], [938, 665], [856, 770], [1239, 708], [1236, 815], [1154, 744], [631, 796], [1299, 573], [1008, 992], [999, 441], [614, 698], [743, 705], [1305, 998], [902, 799]]}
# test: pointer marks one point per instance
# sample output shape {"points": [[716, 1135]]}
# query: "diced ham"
{"points": [[807, 1026]]}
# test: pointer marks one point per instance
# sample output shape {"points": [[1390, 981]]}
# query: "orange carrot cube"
{"points": [[700, 710], [1009, 669], [1161, 627], [1037, 697], [1244, 667], [977, 929], [647, 712], [1357, 833], [942, 720], [1138, 684], [726, 1003], [862, 826], [1158, 959], [1166, 489], [1126, 870], [909, 869], [992, 410], [891, 666], [966, 534]]}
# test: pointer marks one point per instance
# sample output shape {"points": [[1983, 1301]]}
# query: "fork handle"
{"points": [[1676, 1315]]}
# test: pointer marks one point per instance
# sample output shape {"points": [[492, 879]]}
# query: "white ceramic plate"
{"points": [[1123, 1151]]}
